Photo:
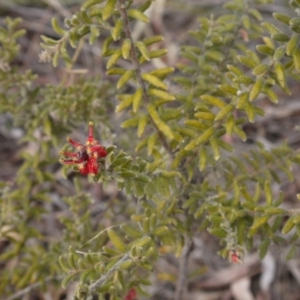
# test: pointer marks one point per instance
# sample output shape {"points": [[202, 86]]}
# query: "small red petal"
{"points": [[75, 144], [92, 166], [84, 169], [71, 154], [99, 149], [131, 295], [234, 258]]}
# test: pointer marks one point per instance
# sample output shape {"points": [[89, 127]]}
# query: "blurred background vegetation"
{"points": [[50, 211]]}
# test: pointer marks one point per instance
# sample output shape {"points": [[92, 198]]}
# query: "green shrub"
{"points": [[172, 161]]}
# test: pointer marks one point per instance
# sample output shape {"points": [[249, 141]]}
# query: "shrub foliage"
{"points": [[174, 164]]}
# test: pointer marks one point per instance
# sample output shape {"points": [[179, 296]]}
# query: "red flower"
{"points": [[131, 295], [86, 156], [235, 256]]}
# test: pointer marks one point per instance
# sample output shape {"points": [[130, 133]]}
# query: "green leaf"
{"points": [[126, 264], [202, 159], [288, 226], [116, 32], [138, 15], [203, 138], [270, 27], [151, 143], [258, 222], [113, 59], [143, 121], [67, 280], [126, 48], [203, 115], [153, 39], [263, 248], [161, 125], [137, 99], [256, 89], [158, 53], [280, 73], [108, 9], [279, 53], [280, 37], [242, 100], [63, 265], [131, 230], [116, 240], [215, 147], [292, 44], [291, 253], [250, 63], [225, 111], [161, 94], [143, 49], [241, 134], [243, 79], [271, 94], [268, 193], [260, 69], [282, 18], [125, 78], [125, 103], [142, 242], [56, 27], [154, 81], [213, 100]]}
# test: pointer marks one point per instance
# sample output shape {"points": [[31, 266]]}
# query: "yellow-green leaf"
{"points": [[56, 27], [125, 103], [288, 226], [242, 99], [258, 222], [282, 18], [116, 240], [143, 121], [249, 62], [215, 147], [161, 94], [213, 100], [116, 32], [162, 126], [113, 59], [280, 73], [126, 47], [125, 78], [143, 49], [108, 9], [292, 44], [224, 112], [137, 99], [151, 143], [138, 15], [256, 88], [260, 69], [203, 138], [154, 81]]}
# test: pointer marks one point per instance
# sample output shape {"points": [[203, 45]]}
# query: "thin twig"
{"points": [[59, 8], [29, 288], [183, 269], [137, 67], [102, 280]]}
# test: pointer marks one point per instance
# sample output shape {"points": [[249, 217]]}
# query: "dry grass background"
{"points": [[210, 277]]}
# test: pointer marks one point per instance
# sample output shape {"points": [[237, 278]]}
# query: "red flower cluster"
{"points": [[131, 295], [86, 156]]}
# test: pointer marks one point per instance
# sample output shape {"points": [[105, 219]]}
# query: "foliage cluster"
{"points": [[183, 180]]}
